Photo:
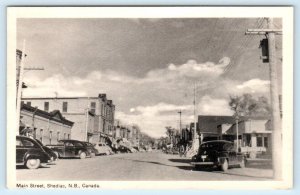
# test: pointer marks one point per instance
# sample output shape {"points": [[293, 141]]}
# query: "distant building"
{"points": [[47, 127], [93, 116]]}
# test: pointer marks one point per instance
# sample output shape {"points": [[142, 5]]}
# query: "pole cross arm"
{"points": [[263, 31]]}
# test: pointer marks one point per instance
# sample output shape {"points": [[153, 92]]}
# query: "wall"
{"points": [[46, 126]]}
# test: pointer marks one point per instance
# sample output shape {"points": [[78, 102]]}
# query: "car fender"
{"points": [[32, 156]]}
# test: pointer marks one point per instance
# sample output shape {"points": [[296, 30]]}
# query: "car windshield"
{"points": [[214, 145]]}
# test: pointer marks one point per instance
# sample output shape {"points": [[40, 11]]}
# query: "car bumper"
{"points": [[202, 163]]}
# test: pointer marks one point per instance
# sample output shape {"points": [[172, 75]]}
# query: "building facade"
{"points": [[93, 117], [48, 127]]}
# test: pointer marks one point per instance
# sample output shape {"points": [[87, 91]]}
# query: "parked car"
{"points": [[103, 148], [51, 153], [91, 148], [30, 153], [71, 148], [124, 149], [218, 153]]}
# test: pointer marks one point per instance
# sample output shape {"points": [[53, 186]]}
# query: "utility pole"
{"points": [[19, 89], [20, 75], [86, 120], [179, 120], [276, 121], [237, 132]]}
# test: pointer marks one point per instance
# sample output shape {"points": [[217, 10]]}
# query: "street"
{"points": [[138, 166]]}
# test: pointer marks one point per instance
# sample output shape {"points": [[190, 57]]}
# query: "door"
{"points": [[20, 151], [69, 149]]}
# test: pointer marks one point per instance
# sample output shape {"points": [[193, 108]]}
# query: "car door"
{"points": [[69, 149], [20, 150]]}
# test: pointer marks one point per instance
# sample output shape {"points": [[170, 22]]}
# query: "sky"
{"points": [[148, 67]]}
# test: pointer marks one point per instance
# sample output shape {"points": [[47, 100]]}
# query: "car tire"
{"points": [[242, 163], [57, 154], [33, 163], [82, 155], [224, 165]]}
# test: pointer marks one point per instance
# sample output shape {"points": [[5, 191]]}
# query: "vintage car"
{"points": [[218, 153], [91, 148], [71, 148], [30, 153], [51, 153], [103, 149]]}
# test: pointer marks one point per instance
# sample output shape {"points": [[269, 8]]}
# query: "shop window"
{"points": [[259, 141], [46, 106], [65, 107]]}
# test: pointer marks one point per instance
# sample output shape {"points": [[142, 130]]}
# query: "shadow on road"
{"points": [[182, 160], [24, 167]]}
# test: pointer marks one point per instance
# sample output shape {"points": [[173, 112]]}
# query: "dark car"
{"points": [[218, 153], [30, 153], [71, 148], [91, 147], [51, 153], [123, 149]]}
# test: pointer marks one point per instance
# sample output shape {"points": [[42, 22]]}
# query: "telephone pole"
{"points": [[276, 121], [179, 120], [20, 75]]}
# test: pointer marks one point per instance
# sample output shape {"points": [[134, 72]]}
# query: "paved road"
{"points": [[136, 166]]}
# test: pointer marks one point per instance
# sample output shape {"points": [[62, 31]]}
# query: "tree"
{"points": [[248, 106], [170, 133]]}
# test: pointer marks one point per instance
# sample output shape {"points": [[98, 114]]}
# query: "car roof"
{"points": [[70, 140]]}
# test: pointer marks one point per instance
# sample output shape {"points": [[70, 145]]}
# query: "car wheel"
{"points": [[57, 154], [33, 163], [224, 166], [242, 163], [82, 155]]}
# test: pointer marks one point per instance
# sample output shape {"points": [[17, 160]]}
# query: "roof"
{"points": [[54, 115], [209, 124]]}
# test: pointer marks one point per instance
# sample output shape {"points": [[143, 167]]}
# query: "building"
{"points": [[209, 126], [48, 127], [93, 117], [254, 134]]}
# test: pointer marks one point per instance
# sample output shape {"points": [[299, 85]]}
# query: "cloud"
{"points": [[254, 86], [153, 101], [213, 106]]}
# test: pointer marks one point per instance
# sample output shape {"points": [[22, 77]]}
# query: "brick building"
{"points": [[93, 116], [48, 127]]}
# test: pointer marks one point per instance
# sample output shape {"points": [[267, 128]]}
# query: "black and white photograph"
{"points": [[194, 96]]}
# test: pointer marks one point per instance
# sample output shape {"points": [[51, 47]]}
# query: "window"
{"points": [[41, 135], [28, 103], [46, 106], [65, 135], [50, 136], [259, 141], [65, 106], [58, 136], [266, 144], [22, 102], [68, 136], [34, 133], [93, 107]]}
